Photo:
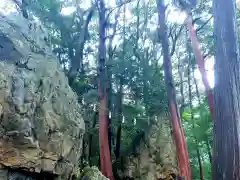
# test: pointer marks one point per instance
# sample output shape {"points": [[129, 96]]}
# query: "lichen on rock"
{"points": [[41, 127]]}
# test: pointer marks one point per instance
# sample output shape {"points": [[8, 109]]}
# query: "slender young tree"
{"points": [[226, 129], [199, 163], [187, 6], [105, 158], [192, 114], [120, 93], [180, 73], [111, 50], [200, 62], [178, 134]]}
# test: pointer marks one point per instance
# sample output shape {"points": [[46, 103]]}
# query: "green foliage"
{"points": [[198, 137], [137, 61]]}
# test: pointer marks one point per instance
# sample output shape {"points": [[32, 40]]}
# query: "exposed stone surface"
{"points": [[92, 173], [157, 157], [41, 127]]}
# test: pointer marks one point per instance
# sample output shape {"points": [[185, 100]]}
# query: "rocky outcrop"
{"points": [[91, 173], [41, 127], [156, 157]]}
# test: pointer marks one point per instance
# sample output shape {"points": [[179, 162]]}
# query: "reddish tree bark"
{"points": [[105, 158], [178, 135], [179, 139], [200, 62]]}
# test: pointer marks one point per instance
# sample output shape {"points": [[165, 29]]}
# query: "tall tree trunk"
{"points": [[119, 118], [105, 158], [109, 133], [120, 95], [180, 73], [192, 115], [178, 134], [209, 151], [200, 62], [226, 132], [200, 164], [196, 86], [118, 143], [109, 74], [90, 139]]}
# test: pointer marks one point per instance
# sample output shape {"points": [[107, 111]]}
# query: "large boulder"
{"points": [[41, 128], [156, 156]]}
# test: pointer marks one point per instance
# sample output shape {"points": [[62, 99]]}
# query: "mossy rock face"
{"points": [[157, 158], [92, 173]]}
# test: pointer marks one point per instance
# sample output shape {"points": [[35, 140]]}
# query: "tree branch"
{"points": [[198, 29], [175, 40], [110, 48], [77, 60], [118, 6]]}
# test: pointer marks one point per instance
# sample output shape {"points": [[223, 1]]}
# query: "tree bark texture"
{"points": [[226, 127], [105, 158], [178, 135]]}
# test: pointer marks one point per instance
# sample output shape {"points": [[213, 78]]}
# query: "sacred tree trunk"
{"points": [[178, 134], [105, 158], [226, 93]]}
